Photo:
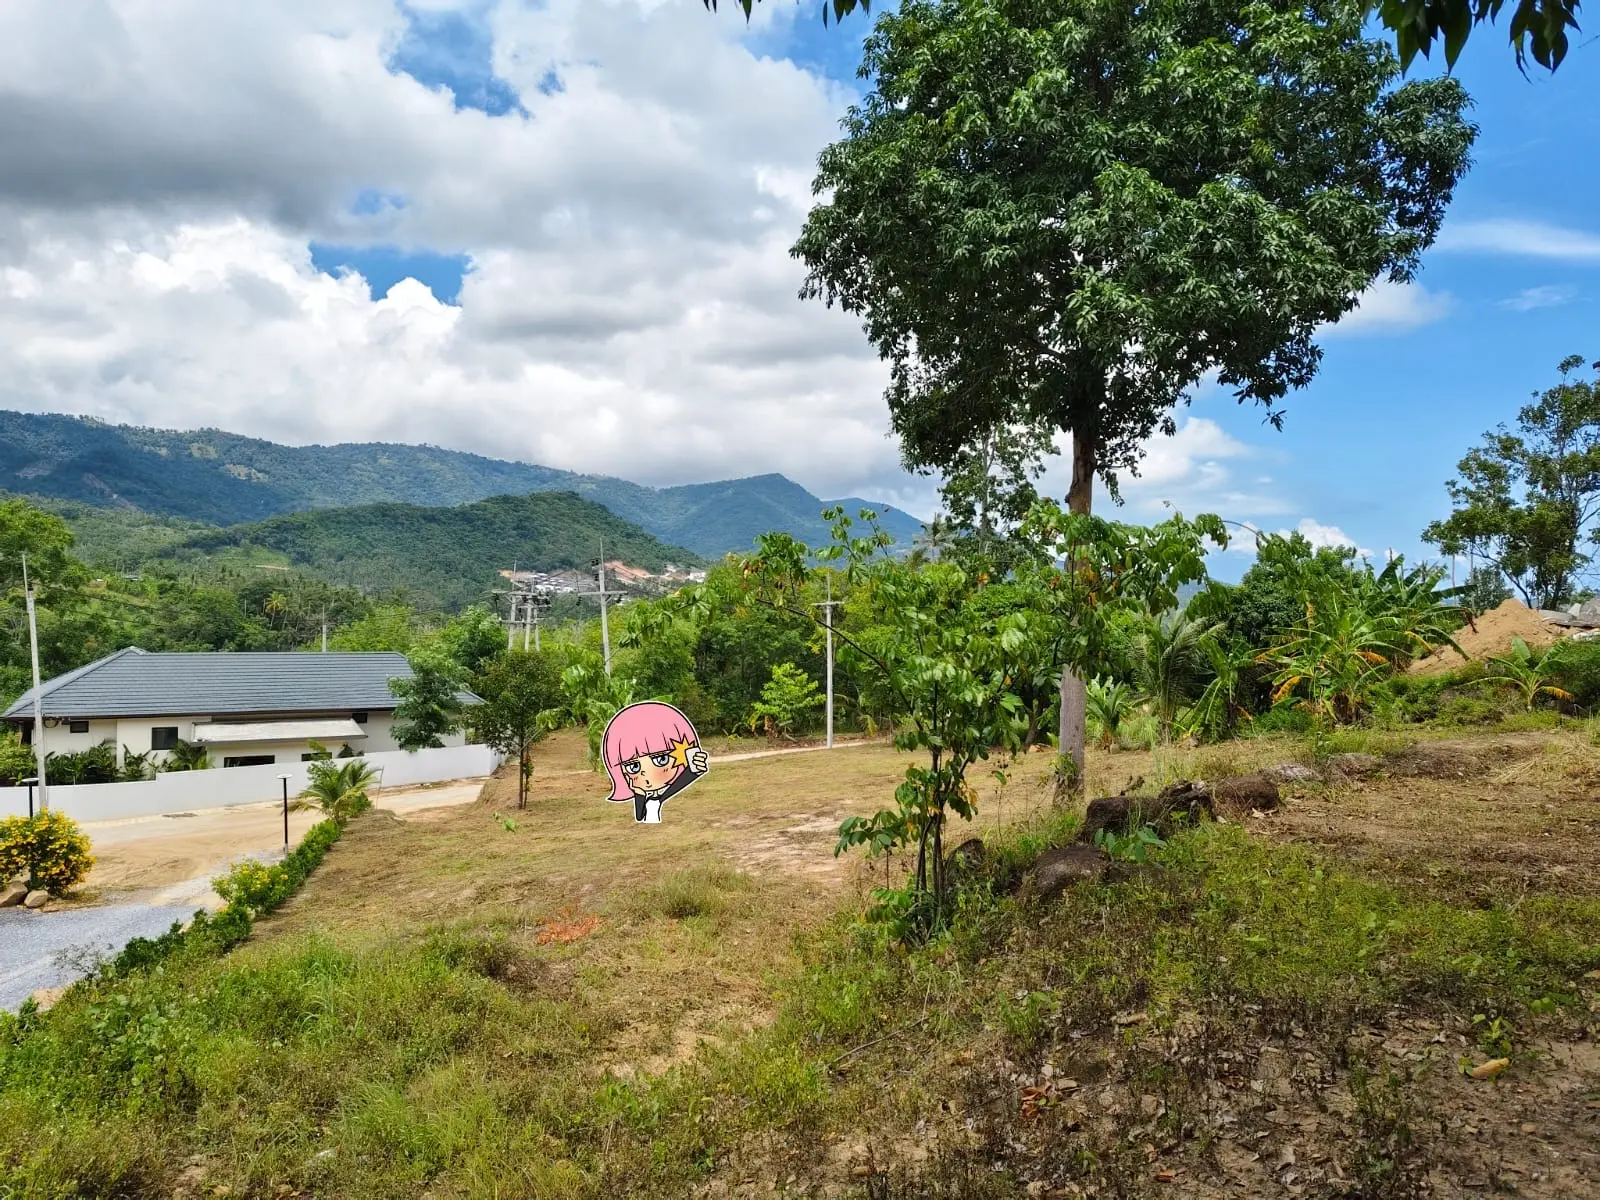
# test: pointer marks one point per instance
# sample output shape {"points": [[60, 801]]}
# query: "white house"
{"points": [[245, 709]]}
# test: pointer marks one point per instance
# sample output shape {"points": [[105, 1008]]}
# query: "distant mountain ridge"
{"points": [[223, 478], [444, 557]]}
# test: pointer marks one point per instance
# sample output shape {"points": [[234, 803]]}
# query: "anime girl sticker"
{"points": [[652, 753]]}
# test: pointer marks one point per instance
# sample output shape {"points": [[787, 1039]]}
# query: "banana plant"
{"points": [[1524, 673]]}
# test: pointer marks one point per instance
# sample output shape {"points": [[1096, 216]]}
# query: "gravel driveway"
{"points": [[32, 943]]}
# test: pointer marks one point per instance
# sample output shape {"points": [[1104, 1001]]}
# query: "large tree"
{"points": [[1528, 503], [1067, 212], [1537, 27]]}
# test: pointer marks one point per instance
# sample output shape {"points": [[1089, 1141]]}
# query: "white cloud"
{"points": [[1320, 535], [632, 306], [1547, 296], [1530, 239], [1391, 308]]}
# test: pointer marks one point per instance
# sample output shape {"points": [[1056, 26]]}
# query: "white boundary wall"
{"points": [[189, 791]]}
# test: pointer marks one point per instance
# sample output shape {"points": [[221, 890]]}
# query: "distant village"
{"points": [[619, 575]]}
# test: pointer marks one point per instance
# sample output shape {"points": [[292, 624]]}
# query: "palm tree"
{"points": [[338, 788], [1170, 661], [1110, 703], [277, 604], [186, 756]]}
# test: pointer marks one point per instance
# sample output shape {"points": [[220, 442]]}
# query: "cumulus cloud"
{"points": [[1330, 536], [623, 178], [1391, 308]]}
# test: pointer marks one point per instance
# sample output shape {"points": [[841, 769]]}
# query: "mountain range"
{"points": [[221, 479]]}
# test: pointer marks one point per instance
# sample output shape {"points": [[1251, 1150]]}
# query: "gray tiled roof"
{"points": [[135, 683]]}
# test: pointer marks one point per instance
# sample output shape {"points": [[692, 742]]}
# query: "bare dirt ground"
{"points": [[162, 854]]}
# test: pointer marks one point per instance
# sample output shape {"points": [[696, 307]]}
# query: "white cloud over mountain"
{"points": [[630, 305]]}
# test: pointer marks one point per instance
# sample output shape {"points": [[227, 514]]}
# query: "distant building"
{"points": [[245, 709]]}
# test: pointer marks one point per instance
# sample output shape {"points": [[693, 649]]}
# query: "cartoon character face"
{"points": [[649, 775], [652, 753]]}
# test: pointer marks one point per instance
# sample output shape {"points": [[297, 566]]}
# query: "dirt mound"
{"points": [[1489, 635]]}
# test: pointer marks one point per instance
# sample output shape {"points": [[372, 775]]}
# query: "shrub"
{"points": [[253, 885], [16, 760], [1575, 666], [97, 764], [49, 850]]}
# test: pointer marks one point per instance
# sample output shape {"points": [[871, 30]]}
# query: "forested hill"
{"points": [[443, 557], [223, 479]]}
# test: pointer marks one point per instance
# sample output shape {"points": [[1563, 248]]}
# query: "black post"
{"points": [[31, 782], [285, 812]]}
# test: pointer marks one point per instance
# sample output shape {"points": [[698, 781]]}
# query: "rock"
{"points": [[1246, 793], [966, 860], [13, 894], [36, 899], [1293, 773], [1186, 799], [46, 997], [1061, 867], [1353, 766]]}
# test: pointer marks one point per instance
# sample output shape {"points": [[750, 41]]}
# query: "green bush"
{"points": [[16, 760], [1575, 667], [49, 850]]}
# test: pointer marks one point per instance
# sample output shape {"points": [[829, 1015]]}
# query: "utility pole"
{"points": [[527, 620], [324, 630], [511, 622], [38, 691], [827, 609], [605, 628]]}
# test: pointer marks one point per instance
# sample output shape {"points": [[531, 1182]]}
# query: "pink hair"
{"points": [[647, 728]]}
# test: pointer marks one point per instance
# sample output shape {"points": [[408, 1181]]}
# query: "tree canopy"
{"points": [[1066, 214], [1538, 27], [1527, 503]]}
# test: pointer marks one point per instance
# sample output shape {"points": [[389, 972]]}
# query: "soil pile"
{"points": [[1491, 635]]}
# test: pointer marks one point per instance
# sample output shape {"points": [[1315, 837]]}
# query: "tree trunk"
{"points": [[1074, 698]]}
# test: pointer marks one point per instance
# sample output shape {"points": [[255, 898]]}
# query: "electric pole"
{"points": [[324, 630], [38, 691], [827, 609], [605, 628]]}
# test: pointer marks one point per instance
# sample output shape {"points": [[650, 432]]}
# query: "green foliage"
{"points": [[430, 705], [1528, 502], [446, 557], [1356, 632], [1524, 672], [47, 850], [16, 760], [97, 764], [390, 627], [1575, 667], [522, 694], [788, 701], [1170, 661], [1538, 27], [1135, 846], [1029, 250], [186, 756], [339, 788], [1110, 704]]}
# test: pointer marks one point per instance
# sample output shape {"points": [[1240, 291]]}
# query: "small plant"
{"points": [[1110, 703], [255, 886], [1130, 847], [1525, 674], [16, 760], [1494, 1034], [136, 767], [338, 788], [509, 824], [48, 850]]}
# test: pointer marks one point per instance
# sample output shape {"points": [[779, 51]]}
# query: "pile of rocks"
{"points": [[13, 895]]}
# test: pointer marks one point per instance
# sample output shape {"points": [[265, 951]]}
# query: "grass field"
{"points": [[557, 1002]]}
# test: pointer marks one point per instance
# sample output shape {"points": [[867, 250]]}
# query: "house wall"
{"points": [[134, 734], [192, 791]]}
